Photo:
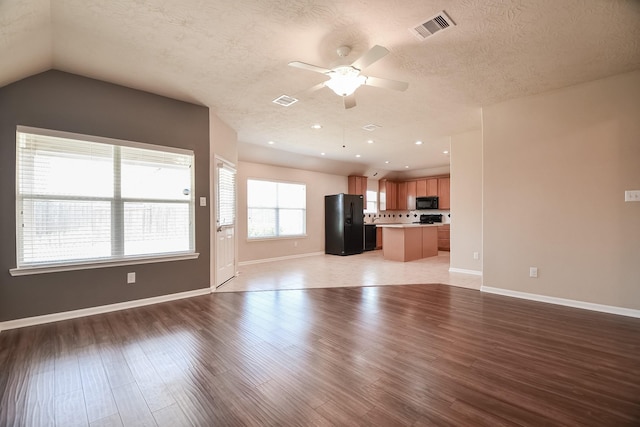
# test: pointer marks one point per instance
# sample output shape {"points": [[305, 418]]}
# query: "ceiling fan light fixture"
{"points": [[345, 80]]}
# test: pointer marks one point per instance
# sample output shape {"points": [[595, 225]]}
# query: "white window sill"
{"points": [[25, 271]]}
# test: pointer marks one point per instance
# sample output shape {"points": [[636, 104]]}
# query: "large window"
{"points": [[83, 199], [276, 209]]}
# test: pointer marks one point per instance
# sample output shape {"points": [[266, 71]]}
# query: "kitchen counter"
{"points": [[409, 242], [399, 225]]}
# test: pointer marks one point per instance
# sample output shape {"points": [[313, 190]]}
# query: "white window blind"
{"points": [[82, 198], [276, 209], [226, 195]]}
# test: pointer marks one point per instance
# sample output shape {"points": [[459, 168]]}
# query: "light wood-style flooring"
{"points": [[327, 271], [408, 355]]}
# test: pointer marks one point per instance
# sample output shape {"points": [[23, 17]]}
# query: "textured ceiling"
{"points": [[232, 56]]}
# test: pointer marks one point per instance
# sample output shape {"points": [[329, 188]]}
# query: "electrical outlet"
{"points": [[131, 277], [295, 244], [533, 271], [476, 255], [632, 196]]}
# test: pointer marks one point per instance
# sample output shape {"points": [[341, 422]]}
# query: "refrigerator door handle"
{"points": [[349, 219]]}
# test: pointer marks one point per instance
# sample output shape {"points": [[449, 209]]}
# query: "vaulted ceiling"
{"points": [[232, 56]]}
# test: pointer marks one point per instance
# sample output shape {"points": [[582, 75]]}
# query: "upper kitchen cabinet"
{"points": [[421, 188], [402, 197], [433, 187], [444, 197], [388, 194], [358, 185], [412, 192], [392, 196]]}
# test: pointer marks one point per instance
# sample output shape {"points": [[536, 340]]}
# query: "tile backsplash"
{"points": [[404, 217]]}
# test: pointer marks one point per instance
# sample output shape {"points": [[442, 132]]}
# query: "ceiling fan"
{"points": [[345, 79]]}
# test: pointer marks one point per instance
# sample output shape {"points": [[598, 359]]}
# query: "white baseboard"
{"points": [[562, 301], [462, 270], [280, 258], [56, 317]]}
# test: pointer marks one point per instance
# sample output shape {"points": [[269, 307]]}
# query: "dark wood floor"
{"points": [[423, 355]]}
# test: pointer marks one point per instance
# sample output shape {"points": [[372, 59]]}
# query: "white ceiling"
{"points": [[232, 57]]}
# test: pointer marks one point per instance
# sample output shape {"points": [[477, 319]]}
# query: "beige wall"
{"points": [[556, 166], [223, 140], [318, 185], [466, 201]]}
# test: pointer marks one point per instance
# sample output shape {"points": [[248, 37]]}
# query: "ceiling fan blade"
{"points": [[375, 53], [309, 67], [309, 91], [350, 101], [386, 83]]}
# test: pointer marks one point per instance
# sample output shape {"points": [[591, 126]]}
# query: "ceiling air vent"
{"points": [[436, 23], [285, 100], [370, 127]]}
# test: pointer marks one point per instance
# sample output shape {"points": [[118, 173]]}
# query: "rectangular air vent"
{"points": [[285, 100], [429, 27], [370, 127]]}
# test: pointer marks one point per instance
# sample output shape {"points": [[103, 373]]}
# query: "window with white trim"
{"points": [[276, 209], [372, 202], [83, 199]]}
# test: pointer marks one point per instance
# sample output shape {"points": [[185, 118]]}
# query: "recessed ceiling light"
{"points": [[357, 155], [316, 126], [418, 142], [387, 161], [322, 154], [370, 141], [445, 152], [270, 142], [406, 167]]}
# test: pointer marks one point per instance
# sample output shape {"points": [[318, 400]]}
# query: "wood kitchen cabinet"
{"points": [[444, 198], [382, 195], [392, 195], [378, 237], [432, 187], [412, 192], [421, 188], [358, 185], [444, 242], [402, 196], [388, 191]]}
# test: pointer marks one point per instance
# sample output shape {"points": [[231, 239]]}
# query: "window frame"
{"points": [[277, 213], [119, 259], [371, 198]]}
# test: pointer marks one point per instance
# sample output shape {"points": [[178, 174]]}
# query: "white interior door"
{"points": [[225, 222]]}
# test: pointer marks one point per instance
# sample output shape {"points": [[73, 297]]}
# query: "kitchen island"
{"points": [[408, 242]]}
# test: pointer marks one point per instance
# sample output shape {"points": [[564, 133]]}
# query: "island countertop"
{"points": [[409, 242], [400, 225]]}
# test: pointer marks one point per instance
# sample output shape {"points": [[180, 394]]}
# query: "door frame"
{"points": [[213, 269]]}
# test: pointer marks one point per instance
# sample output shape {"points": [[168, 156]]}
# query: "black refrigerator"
{"points": [[343, 224]]}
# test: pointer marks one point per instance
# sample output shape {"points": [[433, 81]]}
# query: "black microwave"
{"points": [[427, 202]]}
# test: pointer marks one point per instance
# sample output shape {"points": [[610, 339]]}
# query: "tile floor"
{"points": [[326, 271]]}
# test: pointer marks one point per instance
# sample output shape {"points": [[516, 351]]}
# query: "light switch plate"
{"points": [[203, 201], [632, 196]]}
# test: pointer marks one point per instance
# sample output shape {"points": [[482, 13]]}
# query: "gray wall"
{"points": [[66, 102]]}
